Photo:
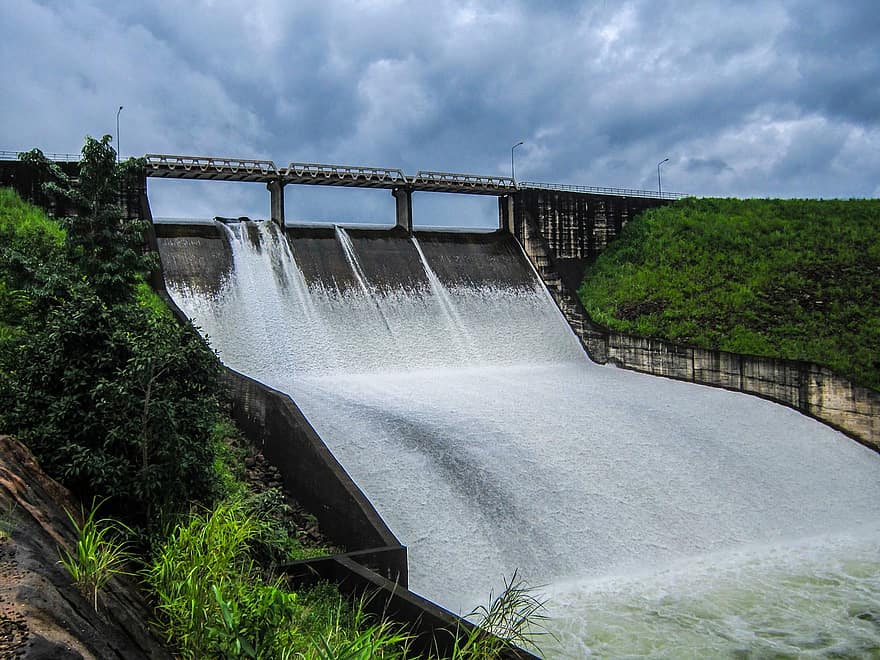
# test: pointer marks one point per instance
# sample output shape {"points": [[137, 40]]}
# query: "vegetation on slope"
{"points": [[798, 279], [112, 395]]}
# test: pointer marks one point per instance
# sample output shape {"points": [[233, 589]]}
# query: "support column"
{"points": [[276, 201], [404, 208], [505, 213]]}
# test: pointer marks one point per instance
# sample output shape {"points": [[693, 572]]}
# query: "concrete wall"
{"points": [[548, 239], [28, 183], [579, 225], [273, 422]]}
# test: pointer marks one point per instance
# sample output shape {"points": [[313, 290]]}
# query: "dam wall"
{"points": [[375, 564], [559, 251], [577, 226], [28, 182], [199, 256]]}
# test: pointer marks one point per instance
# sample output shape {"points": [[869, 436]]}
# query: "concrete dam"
{"points": [[658, 517]]}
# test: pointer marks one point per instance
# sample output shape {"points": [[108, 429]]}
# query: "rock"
{"points": [[42, 615]]}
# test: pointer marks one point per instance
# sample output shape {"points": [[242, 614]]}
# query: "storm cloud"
{"points": [[747, 98]]}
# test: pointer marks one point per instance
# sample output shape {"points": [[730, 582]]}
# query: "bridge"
{"points": [[401, 185], [318, 174]]}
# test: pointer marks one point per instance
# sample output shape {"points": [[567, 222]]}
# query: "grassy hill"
{"points": [[798, 279]]}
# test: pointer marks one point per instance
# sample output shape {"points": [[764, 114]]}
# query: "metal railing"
{"points": [[65, 158], [390, 175], [210, 164], [261, 170], [457, 180], [619, 192]]}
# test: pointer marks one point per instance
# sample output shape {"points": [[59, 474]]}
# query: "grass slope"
{"points": [[798, 279]]}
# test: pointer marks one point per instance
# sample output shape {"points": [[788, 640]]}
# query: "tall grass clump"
{"points": [[214, 599], [101, 552], [512, 618], [194, 576]]}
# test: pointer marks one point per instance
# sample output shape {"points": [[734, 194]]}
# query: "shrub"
{"points": [[113, 396], [114, 401], [101, 552]]}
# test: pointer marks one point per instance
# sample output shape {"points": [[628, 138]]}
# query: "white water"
{"points": [[663, 518]]}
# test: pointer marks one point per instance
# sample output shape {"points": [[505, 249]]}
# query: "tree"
{"points": [[107, 247], [114, 396]]}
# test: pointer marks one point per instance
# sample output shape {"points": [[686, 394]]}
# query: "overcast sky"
{"points": [[750, 99]]}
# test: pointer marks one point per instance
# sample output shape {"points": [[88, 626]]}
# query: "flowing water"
{"points": [[661, 518]]}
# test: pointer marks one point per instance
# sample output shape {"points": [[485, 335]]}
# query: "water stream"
{"points": [[662, 518]]}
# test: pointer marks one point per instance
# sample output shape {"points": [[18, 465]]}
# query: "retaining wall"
{"points": [[810, 388]]}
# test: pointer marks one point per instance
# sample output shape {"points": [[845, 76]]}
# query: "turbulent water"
{"points": [[662, 518]]}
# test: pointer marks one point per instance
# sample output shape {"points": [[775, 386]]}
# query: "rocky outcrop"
{"points": [[42, 614]]}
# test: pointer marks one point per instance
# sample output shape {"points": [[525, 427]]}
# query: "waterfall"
{"points": [[351, 257], [663, 518]]}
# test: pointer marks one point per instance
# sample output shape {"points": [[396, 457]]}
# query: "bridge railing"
{"points": [[619, 192], [209, 167], [210, 164], [65, 158], [342, 173], [457, 180]]}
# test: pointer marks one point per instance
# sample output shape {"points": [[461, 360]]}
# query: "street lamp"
{"points": [[512, 171], [659, 188], [118, 153]]}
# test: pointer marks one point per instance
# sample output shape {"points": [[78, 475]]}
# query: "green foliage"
{"points": [[26, 227], [113, 396], [32, 256], [229, 456], [106, 247], [359, 637], [101, 552], [114, 401], [798, 279], [281, 541], [514, 617], [215, 601]]}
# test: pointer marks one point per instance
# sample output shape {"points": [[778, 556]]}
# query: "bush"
{"points": [[115, 402], [101, 552], [115, 398], [215, 601]]}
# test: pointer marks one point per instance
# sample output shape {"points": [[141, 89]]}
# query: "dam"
{"points": [[658, 517]]}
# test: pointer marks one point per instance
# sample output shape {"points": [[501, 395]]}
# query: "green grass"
{"points": [[101, 552], [29, 241], [798, 279], [214, 600], [26, 222]]}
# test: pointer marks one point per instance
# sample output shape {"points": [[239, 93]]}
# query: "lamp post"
{"points": [[512, 171], [659, 187], [118, 153]]}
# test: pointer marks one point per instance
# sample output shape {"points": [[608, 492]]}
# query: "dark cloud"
{"points": [[746, 98], [705, 165]]}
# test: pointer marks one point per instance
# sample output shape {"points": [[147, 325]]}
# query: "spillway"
{"points": [[659, 517]]}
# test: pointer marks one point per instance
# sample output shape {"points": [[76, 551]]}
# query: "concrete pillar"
{"points": [[404, 208], [505, 213], [276, 201]]}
